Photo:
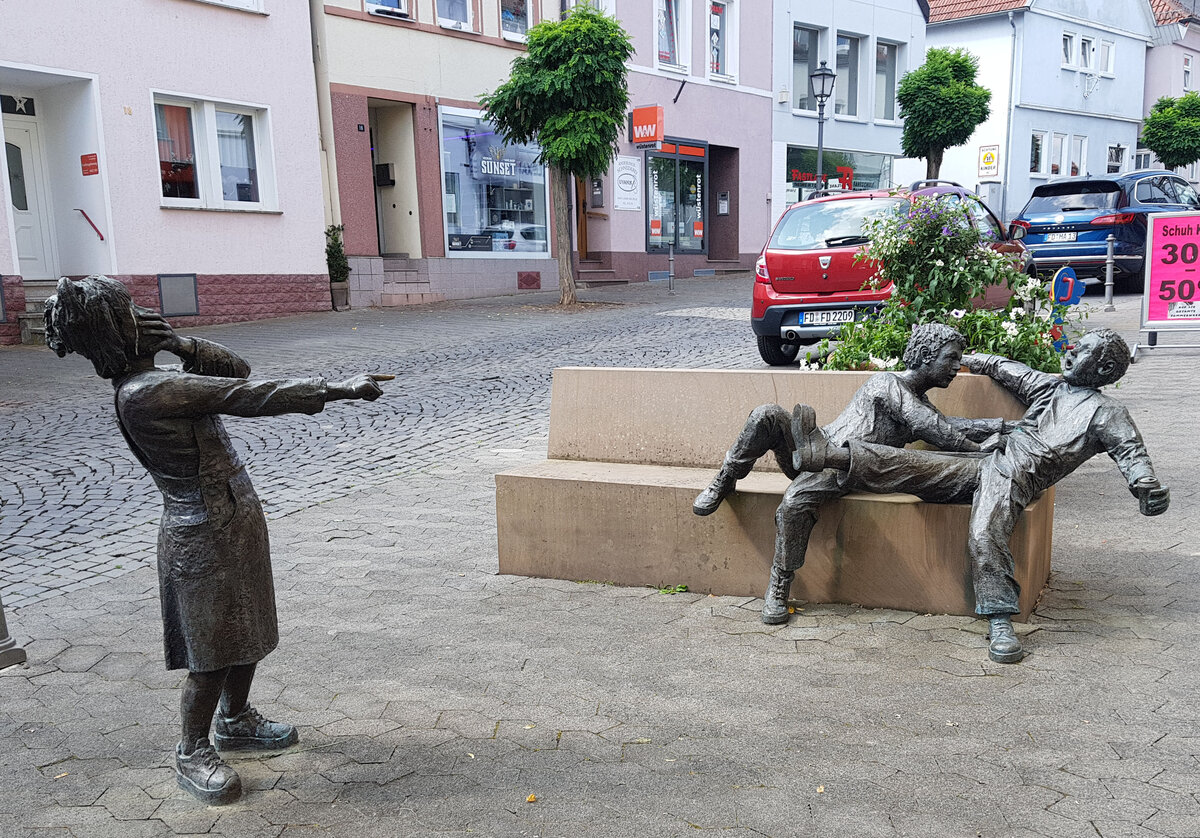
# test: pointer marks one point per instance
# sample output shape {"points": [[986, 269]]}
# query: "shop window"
{"points": [[722, 39], [212, 155], [885, 80], [1116, 158], [1037, 153], [676, 183], [515, 18], [845, 169], [805, 46], [494, 195], [454, 14], [845, 90]]}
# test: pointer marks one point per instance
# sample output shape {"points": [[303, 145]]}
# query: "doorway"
{"points": [[30, 199]]}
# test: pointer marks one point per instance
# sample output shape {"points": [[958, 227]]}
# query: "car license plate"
{"points": [[829, 317], [1060, 237]]}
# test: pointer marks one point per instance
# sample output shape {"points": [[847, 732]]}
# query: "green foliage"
{"points": [[938, 266], [335, 254], [673, 589], [940, 103], [567, 92], [1172, 130]]}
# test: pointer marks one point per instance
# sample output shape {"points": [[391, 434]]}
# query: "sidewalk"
{"points": [[434, 696]]}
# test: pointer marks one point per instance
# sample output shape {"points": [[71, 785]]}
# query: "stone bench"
{"points": [[630, 449]]}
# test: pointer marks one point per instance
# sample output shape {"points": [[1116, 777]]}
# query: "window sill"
{"points": [[197, 208], [519, 37], [677, 69], [235, 7], [841, 117], [721, 78], [1039, 176], [891, 123], [456, 25], [809, 114]]}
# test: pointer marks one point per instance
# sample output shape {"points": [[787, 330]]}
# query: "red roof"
{"points": [[1171, 11], [940, 10]]}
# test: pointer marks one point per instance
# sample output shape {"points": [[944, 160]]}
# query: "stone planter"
{"points": [[340, 292]]}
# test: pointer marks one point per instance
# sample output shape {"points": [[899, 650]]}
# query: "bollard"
{"points": [[1108, 275], [671, 269], [10, 652]]}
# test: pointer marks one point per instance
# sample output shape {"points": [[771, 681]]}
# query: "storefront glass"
{"points": [[676, 178], [842, 169], [494, 194]]}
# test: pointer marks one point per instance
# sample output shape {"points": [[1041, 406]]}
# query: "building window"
{"points": [[670, 31], [212, 155], [1037, 152], [1142, 158], [1105, 64], [677, 183], [885, 80], [721, 39], [1058, 154], [454, 14], [514, 18], [1078, 155], [1085, 53], [845, 91], [1187, 72], [494, 193], [1068, 49], [805, 43], [1116, 158]]}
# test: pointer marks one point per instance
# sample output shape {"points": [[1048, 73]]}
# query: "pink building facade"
{"points": [[188, 169]]}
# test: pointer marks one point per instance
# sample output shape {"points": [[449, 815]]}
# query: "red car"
{"points": [[806, 280]]}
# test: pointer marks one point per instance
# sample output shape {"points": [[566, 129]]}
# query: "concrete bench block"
{"points": [[632, 524]]}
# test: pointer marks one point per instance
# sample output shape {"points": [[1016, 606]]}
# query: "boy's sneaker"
{"points": [[248, 730], [205, 775]]}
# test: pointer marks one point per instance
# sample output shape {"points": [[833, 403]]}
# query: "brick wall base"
{"points": [[14, 303], [232, 298]]}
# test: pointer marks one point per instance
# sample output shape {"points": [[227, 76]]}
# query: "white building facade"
{"points": [[1067, 79], [170, 145]]}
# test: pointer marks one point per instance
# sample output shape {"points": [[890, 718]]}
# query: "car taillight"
{"points": [[1119, 218], [760, 270]]}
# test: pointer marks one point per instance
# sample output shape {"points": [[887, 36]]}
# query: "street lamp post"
{"points": [[822, 80]]}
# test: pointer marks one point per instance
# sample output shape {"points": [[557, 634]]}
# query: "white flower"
{"points": [[939, 263], [958, 313], [1011, 328], [1017, 313]]}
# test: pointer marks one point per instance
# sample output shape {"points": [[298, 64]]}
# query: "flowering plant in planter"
{"points": [[937, 265]]}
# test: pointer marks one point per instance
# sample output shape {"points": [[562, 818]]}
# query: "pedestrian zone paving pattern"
{"points": [[437, 698]]}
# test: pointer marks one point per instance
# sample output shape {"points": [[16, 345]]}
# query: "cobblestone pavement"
{"points": [[435, 696]]}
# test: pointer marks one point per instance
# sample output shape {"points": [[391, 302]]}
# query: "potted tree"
{"points": [[339, 267]]}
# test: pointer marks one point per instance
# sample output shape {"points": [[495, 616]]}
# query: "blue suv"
{"points": [[1067, 221]]}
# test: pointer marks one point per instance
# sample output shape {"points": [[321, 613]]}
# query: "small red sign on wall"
{"points": [[90, 163]]}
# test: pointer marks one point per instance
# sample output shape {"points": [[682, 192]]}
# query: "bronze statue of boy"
{"points": [[1067, 421], [214, 566]]}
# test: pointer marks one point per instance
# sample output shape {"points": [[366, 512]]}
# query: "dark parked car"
{"points": [[806, 281], [1067, 222]]}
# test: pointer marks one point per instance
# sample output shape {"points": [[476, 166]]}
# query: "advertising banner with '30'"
{"points": [[1171, 299]]}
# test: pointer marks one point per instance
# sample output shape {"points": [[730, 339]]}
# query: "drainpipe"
{"points": [[1012, 107], [333, 208]]}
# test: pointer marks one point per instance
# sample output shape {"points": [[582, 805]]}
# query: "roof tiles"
{"points": [[940, 10]]}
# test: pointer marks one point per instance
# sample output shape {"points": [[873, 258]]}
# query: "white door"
{"points": [[27, 192]]}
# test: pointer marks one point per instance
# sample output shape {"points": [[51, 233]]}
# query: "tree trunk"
{"points": [[933, 163], [562, 235]]}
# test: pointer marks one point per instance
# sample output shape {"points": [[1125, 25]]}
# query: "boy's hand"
{"points": [[995, 442], [1153, 497]]}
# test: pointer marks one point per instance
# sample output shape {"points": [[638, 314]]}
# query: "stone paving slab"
{"points": [[435, 696]]}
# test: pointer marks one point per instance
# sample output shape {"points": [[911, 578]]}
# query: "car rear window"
{"points": [[1065, 197], [821, 224]]}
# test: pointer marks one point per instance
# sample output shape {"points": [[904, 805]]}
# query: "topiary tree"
{"points": [[941, 105], [568, 94], [1172, 130]]}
